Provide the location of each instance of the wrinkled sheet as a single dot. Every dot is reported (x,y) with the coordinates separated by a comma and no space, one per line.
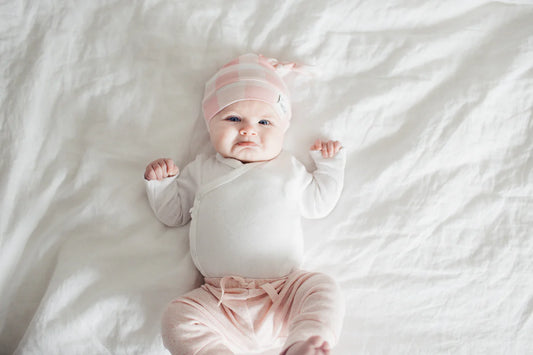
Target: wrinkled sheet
(431,241)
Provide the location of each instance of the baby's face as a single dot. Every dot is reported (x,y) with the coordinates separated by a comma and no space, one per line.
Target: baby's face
(249,131)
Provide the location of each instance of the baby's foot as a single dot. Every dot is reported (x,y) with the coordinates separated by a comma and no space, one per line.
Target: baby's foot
(312,346)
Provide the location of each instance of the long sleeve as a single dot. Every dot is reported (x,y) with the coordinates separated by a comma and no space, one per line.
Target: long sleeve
(172,198)
(323,187)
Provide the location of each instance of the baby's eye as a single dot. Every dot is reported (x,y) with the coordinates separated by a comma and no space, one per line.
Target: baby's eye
(264,122)
(233,119)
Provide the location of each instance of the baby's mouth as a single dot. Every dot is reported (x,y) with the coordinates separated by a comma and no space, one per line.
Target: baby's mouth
(247,144)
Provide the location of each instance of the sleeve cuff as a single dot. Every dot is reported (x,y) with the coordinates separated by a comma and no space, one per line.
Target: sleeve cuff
(155,187)
(160,183)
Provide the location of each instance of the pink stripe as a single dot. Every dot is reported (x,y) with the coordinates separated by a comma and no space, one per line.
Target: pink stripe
(246,74)
(210,106)
(226,79)
(256,92)
(275,80)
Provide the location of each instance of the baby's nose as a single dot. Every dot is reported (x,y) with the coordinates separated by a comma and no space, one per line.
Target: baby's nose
(247,131)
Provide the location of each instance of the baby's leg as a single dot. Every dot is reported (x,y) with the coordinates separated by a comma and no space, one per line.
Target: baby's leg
(189,328)
(315,316)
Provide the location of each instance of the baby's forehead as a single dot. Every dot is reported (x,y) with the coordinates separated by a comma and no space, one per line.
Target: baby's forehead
(252,109)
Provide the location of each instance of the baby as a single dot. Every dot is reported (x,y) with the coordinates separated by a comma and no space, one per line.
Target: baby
(245,204)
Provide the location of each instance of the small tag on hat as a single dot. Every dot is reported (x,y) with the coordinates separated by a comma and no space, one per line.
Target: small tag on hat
(282,102)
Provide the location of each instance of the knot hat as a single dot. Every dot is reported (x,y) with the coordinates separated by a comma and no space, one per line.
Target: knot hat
(249,77)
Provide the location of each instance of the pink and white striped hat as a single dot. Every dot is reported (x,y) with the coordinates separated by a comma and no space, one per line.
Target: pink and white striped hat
(248,77)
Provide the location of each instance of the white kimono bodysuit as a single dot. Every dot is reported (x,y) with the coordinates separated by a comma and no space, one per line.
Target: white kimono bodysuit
(246,217)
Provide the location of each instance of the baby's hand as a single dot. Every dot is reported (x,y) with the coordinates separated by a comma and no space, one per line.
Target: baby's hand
(160,169)
(329,149)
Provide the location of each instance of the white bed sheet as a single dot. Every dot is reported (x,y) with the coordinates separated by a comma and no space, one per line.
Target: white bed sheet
(431,240)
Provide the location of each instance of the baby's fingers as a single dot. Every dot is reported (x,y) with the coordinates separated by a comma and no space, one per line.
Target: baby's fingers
(149,174)
(317,145)
(336,147)
(160,169)
(331,148)
(172,169)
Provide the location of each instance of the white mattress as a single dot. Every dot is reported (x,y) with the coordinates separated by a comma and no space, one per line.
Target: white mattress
(431,241)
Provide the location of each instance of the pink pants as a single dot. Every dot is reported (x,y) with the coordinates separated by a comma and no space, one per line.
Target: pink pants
(234,315)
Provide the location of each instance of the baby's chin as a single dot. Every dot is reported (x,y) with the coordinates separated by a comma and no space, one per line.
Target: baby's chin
(251,156)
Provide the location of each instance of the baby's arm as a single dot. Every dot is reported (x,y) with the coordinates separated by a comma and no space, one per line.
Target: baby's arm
(322,188)
(171,197)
